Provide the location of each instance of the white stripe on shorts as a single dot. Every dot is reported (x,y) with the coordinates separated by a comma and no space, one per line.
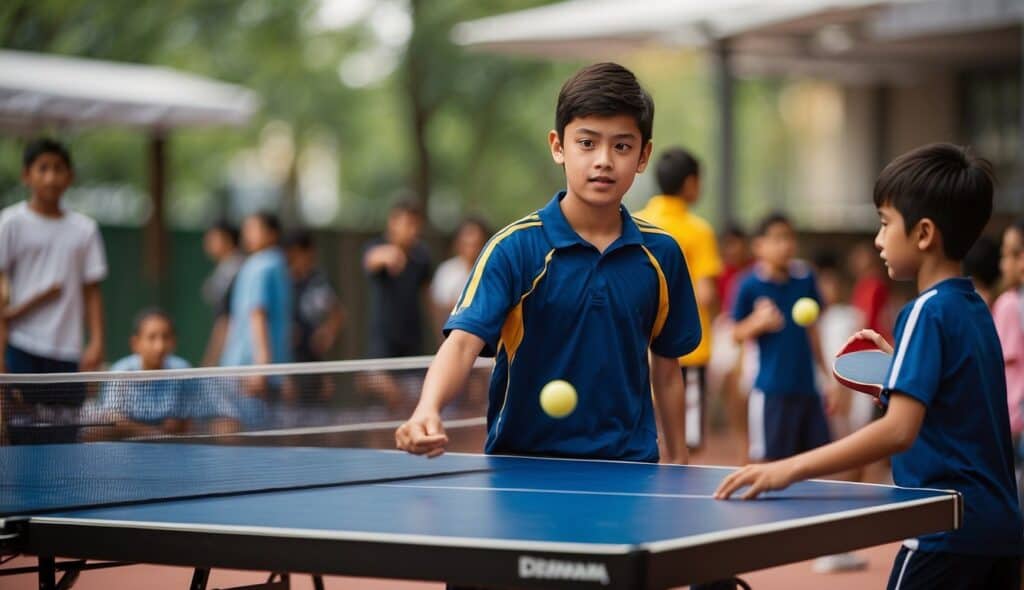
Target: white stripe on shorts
(755,425)
(903,569)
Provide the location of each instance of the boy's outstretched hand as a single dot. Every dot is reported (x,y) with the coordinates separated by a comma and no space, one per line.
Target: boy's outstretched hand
(422,434)
(760,477)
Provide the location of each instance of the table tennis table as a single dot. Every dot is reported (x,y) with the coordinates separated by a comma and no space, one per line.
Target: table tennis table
(494,521)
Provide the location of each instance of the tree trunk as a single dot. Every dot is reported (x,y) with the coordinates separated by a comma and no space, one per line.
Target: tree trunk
(420,111)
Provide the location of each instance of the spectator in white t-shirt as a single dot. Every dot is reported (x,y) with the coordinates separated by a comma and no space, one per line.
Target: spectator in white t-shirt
(451,275)
(53,261)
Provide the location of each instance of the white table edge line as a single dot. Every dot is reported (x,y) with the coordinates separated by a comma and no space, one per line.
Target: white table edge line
(729,534)
(319,534)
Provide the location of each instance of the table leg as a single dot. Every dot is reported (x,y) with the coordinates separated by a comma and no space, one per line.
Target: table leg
(199,579)
(47,573)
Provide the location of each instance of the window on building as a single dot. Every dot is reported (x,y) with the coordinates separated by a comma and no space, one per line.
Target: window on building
(991,116)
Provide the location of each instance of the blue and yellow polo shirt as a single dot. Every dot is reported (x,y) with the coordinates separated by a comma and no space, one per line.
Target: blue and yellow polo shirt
(550,306)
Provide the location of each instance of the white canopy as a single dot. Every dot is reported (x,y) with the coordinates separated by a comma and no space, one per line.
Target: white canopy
(583,27)
(40,89)
(854,41)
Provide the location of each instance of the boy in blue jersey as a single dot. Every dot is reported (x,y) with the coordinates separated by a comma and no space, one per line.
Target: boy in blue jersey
(580,291)
(946,421)
(785,413)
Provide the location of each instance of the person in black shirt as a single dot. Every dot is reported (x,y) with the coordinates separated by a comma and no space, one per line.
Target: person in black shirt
(399,269)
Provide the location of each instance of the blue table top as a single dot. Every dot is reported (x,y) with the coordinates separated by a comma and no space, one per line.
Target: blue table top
(36,479)
(454,497)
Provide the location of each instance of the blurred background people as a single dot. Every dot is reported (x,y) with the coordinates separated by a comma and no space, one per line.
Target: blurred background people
(982,266)
(318,318)
(260,325)
(398,267)
(159,406)
(451,275)
(733,365)
(220,242)
(318,315)
(870,289)
(52,261)
(1008,316)
(678,177)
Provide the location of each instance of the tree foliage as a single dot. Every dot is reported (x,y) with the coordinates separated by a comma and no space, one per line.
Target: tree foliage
(462,129)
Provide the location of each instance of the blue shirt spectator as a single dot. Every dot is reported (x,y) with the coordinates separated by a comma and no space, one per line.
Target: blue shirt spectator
(262,284)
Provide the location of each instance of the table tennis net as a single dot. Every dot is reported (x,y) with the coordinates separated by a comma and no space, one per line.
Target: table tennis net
(336,403)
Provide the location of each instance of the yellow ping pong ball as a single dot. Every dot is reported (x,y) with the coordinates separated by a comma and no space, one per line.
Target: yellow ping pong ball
(805,311)
(558,398)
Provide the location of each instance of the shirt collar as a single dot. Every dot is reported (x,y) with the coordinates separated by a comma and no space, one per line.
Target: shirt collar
(562,235)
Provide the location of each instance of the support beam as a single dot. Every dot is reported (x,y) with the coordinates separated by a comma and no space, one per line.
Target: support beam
(880,108)
(724,90)
(156,227)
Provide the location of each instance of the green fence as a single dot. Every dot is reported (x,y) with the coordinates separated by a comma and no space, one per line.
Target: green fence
(130,287)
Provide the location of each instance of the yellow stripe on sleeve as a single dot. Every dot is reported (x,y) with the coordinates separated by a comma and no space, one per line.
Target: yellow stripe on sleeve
(514,330)
(653,229)
(474,280)
(643,222)
(662,315)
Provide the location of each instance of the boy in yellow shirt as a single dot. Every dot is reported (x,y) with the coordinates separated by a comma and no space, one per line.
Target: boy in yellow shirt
(678,173)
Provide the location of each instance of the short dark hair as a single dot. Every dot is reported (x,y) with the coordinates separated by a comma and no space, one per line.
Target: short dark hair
(269,221)
(945,183)
(604,89)
(1018,226)
(474,221)
(44,145)
(301,239)
(982,261)
(226,228)
(674,166)
(826,260)
(407,205)
(149,313)
(773,218)
(734,230)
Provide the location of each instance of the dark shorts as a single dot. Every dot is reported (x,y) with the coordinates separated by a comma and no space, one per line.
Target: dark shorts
(19,361)
(781,426)
(64,394)
(27,407)
(922,570)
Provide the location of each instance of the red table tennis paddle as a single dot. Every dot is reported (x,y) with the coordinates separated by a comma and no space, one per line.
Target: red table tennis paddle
(862,367)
